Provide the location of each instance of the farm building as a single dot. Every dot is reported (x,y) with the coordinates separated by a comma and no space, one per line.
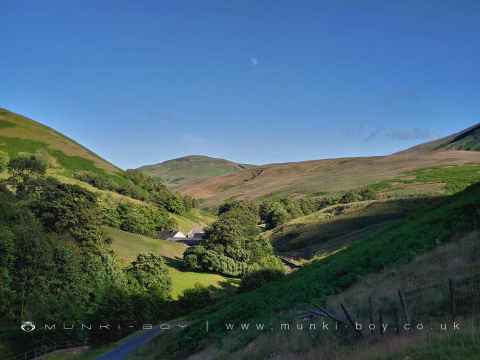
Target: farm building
(173,235)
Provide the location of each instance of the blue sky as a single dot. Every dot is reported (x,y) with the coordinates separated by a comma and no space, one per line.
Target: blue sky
(253,81)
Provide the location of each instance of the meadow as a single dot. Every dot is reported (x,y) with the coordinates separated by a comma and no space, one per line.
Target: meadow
(127,246)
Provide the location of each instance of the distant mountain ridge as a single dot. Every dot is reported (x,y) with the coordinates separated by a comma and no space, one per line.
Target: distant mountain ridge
(330,175)
(192,168)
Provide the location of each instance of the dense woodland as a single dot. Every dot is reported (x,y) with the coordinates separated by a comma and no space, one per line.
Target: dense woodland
(56,263)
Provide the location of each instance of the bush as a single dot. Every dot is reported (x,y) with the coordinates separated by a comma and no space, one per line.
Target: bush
(3,161)
(23,167)
(358,195)
(151,273)
(97,180)
(198,258)
(197,297)
(256,279)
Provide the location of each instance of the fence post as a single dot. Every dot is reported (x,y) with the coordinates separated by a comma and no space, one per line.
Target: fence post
(371,311)
(349,318)
(380,320)
(397,320)
(451,287)
(401,296)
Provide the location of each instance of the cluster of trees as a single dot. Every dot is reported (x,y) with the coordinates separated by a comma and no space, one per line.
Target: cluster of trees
(277,212)
(55,261)
(362,194)
(233,245)
(142,187)
(138,218)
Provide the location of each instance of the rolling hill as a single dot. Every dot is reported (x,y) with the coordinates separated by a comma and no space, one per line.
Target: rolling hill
(188,169)
(332,175)
(19,134)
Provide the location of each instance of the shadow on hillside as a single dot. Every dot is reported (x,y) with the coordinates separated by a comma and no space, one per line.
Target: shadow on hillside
(176,263)
(338,230)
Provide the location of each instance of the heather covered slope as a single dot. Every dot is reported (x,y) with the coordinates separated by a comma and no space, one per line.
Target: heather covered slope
(20,135)
(319,176)
(188,169)
(332,175)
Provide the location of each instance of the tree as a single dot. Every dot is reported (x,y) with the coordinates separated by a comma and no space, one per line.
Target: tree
(145,220)
(232,233)
(276,215)
(151,273)
(65,208)
(232,244)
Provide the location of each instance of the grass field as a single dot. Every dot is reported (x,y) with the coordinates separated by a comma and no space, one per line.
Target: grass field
(127,246)
(195,219)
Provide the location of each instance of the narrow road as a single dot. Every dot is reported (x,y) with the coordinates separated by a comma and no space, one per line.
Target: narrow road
(130,345)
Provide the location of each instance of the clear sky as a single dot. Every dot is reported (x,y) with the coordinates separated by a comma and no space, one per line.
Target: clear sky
(252,81)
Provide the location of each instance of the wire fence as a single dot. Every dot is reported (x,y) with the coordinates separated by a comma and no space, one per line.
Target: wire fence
(450,299)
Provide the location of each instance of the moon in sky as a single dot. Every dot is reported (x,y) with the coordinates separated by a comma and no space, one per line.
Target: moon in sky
(254,61)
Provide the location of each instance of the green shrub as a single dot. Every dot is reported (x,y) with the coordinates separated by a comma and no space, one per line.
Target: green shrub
(151,273)
(145,220)
(256,279)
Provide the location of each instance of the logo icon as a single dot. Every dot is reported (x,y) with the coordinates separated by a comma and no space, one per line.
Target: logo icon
(27,326)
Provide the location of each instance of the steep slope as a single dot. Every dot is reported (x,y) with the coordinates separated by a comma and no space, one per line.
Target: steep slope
(20,135)
(468,140)
(65,157)
(330,175)
(191,168)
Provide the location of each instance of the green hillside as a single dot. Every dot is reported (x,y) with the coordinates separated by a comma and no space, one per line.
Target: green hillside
(399,243)
(468,140)
(20,135)
(335,227)
(189,169)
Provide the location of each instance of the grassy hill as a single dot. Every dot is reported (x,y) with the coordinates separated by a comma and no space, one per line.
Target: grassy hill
(332,175)
(400,243)
(189,169)
(127,246)
(326,231)
(20,135)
